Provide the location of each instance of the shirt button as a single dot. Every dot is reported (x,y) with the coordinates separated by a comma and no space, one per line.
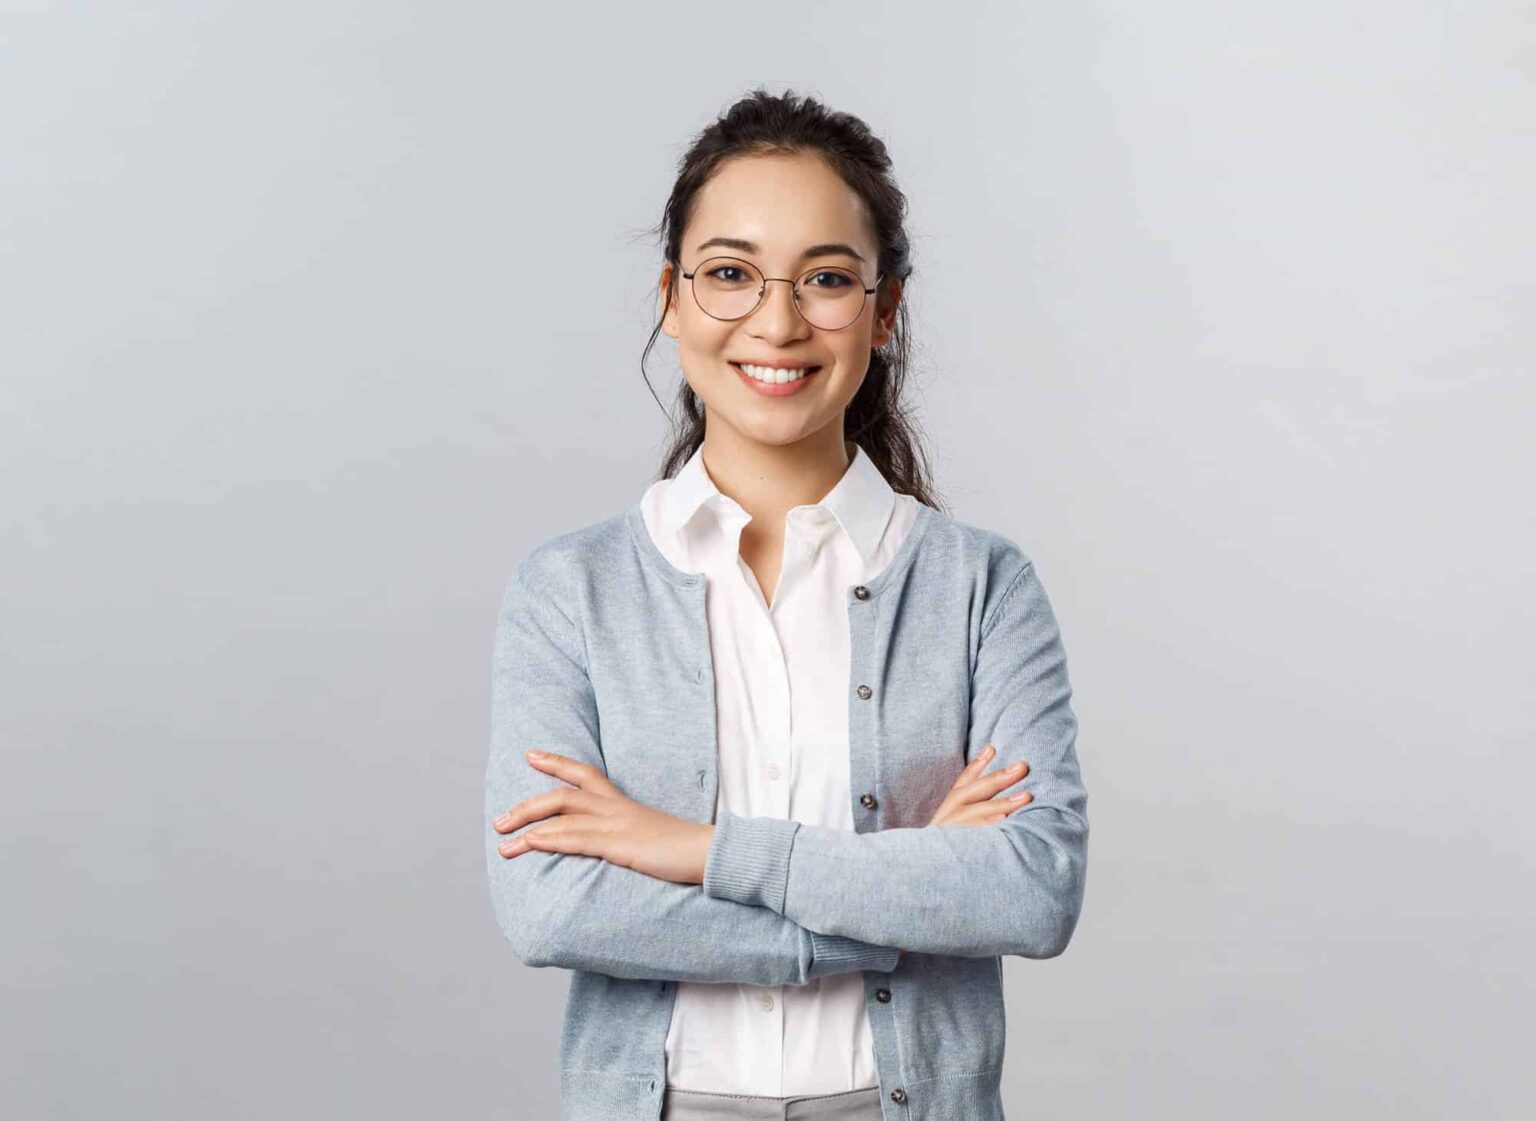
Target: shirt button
(867,801)
(772,770)
(865,692)
(861,592)
(766,1001)
(898,1095)
(883,996)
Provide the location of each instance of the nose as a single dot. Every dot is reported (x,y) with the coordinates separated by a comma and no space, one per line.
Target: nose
(777,319)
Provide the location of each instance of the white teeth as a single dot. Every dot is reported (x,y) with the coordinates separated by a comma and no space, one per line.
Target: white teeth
(769,374)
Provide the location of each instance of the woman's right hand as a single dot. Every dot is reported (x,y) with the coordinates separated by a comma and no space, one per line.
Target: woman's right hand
(970,800)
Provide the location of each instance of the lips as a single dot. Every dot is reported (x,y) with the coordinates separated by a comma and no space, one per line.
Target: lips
(809,371)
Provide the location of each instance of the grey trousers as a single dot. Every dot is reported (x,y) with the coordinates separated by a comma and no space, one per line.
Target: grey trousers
(699,1105)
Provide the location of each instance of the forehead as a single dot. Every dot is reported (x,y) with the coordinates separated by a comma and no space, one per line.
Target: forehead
(783,203)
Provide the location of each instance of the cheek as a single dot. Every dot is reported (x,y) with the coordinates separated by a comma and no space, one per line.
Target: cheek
(699,333)
(853,355)
(701,350)
(702,357)
(853,345)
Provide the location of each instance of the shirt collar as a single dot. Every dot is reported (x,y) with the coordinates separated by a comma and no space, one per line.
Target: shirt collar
(860,503)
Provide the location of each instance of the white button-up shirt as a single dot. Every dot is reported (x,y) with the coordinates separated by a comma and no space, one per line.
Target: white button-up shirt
(781,701)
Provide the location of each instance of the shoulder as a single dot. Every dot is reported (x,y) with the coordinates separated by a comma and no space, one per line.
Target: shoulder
(973,548)
(564,560)
(992,564)
(975,544)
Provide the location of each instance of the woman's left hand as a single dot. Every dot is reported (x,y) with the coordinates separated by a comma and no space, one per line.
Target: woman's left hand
(592,817)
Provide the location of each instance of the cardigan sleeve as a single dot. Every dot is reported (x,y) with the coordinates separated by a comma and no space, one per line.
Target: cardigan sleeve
(1013,887)
(580,912)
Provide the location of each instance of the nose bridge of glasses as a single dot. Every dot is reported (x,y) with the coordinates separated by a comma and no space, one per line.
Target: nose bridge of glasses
(794,289)
(814,311)
(764,300)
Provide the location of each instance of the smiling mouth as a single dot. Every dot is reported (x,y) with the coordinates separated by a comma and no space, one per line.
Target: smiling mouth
(771,376)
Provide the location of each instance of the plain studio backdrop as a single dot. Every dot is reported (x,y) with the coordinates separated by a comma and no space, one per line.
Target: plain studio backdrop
(315,318)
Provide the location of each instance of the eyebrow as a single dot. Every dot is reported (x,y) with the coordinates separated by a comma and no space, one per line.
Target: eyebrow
(831,248)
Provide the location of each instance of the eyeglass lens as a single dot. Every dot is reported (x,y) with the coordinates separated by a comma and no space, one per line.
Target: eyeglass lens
(829,298)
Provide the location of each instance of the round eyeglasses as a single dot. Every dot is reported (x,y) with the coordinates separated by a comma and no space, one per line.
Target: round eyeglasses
(827,298)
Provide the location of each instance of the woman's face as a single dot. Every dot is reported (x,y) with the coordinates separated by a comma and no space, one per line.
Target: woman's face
(781,205)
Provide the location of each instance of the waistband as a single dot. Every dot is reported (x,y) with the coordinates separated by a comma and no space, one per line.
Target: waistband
(702,1105)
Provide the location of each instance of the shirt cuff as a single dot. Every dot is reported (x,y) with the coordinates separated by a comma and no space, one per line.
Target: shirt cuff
(833,953)
(749,860)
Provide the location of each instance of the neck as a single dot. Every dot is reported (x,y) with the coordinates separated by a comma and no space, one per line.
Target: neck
(769,480)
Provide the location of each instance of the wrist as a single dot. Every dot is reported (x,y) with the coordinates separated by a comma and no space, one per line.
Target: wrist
(704,841)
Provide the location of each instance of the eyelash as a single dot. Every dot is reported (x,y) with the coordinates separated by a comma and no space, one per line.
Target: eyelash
(822,272)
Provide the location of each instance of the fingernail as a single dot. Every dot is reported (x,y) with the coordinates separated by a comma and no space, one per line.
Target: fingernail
(504,820)
(1017,767)
(988,752)
(535,755)
(1019,797)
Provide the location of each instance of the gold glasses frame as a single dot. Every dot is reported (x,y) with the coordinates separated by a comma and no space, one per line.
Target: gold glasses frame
(795,289)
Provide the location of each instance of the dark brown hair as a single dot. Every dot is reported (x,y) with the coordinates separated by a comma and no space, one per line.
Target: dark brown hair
(877,418)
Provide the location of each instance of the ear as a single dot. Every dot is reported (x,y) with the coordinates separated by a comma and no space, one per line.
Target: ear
(886,301)
(666,305)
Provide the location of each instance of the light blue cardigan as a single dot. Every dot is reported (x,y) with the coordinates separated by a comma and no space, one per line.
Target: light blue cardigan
(602,654)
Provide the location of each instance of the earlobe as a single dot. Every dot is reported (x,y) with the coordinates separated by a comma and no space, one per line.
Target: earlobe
(668,303)
(664,298)
(882,334)
(885,319)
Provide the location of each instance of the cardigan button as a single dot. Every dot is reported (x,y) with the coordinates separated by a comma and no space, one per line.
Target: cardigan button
(868,801)
(898,1095)
(865,692)
(861,592)
(883,996)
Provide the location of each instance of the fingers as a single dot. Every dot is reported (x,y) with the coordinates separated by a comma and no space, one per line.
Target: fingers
(983,813)
(567,834)
(562,800)
(989,813)
(973,770)
(1003,779)
(583,775)
(986,786)
(976,765)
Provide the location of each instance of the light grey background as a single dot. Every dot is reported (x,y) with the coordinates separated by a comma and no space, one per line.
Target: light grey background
(1223,312)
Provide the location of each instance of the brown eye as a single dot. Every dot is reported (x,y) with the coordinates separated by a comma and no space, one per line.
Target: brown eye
(716,274)
(837,279)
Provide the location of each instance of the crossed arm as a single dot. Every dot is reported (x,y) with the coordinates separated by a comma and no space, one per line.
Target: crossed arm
(783,902)
(579,912)
(1015,887)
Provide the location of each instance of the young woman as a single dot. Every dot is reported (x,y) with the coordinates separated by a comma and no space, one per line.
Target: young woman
(764,834)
